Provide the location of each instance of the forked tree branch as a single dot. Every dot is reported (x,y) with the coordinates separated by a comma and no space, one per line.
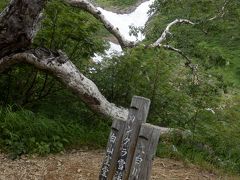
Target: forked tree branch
(167,32)
(90,8)
(87,6)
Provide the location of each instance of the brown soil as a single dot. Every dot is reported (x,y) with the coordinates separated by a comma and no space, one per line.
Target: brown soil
(84,165)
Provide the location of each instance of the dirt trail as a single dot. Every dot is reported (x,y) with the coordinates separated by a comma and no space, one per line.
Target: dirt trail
(80,165)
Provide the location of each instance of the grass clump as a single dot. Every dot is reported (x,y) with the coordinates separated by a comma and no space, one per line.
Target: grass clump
(24,132)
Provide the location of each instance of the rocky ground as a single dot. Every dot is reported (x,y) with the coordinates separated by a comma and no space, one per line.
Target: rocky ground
(84,165)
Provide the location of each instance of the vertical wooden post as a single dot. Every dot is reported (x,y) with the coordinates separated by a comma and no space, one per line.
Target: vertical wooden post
(137,115)
(145,152)
(113,147)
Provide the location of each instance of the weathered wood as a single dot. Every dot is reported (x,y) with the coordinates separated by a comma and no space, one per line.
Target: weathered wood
(113,147)
(18,25)
(145,152)
(137,115)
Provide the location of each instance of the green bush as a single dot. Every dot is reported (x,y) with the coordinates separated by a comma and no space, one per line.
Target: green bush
(122,3)
(25,132)
(214,141)
(53,119)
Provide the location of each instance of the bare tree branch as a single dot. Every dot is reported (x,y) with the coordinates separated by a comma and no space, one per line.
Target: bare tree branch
(87,6)
(163,37)
(221,12)
(65,71)
(167,32)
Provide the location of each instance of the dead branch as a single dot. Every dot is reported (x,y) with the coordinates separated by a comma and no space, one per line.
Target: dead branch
(90,8)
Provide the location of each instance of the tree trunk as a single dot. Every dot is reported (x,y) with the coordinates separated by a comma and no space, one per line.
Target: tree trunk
(18,25)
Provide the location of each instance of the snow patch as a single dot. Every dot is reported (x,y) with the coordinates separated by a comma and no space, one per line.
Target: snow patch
(137,18)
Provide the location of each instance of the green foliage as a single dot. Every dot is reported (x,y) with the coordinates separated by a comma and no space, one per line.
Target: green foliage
(210,43)
(218,145)
(53,119)
(75,32)
(114,3)
(157,75)
(3,3)
(72,30)
(23,132)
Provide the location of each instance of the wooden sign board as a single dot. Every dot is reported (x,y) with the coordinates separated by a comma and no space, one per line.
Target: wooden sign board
(137,115)
(131,146)
(145,151)
(112,152)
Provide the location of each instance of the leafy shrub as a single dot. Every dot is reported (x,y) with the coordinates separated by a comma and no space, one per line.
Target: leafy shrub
(215,140)
(25,132)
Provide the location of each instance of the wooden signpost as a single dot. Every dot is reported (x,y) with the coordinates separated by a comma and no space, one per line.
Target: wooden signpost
(113,149)
(145,152)
(131,146)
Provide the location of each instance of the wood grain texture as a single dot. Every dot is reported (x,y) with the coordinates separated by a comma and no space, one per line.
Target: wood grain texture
(113,147)
(137,115)
(18,25)
(145,151)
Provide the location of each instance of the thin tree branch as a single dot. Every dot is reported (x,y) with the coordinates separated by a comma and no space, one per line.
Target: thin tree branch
(90,8)
(221,12)
(167,32)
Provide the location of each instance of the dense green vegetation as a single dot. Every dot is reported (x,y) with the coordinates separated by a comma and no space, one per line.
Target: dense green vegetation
(38,115)
(23,131)
(114,3)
